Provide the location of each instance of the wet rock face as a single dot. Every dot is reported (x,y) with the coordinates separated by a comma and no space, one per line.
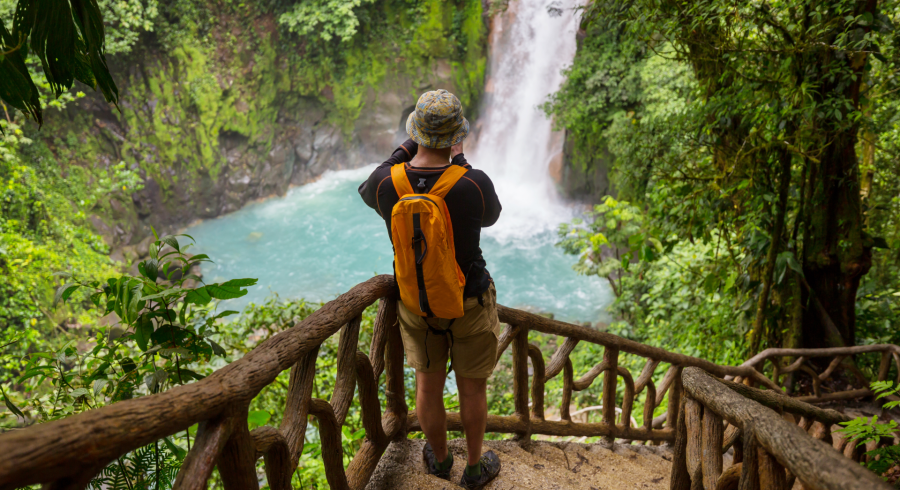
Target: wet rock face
(300,152)
(302,148)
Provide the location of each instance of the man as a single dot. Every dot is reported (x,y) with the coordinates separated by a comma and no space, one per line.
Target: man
(437,129)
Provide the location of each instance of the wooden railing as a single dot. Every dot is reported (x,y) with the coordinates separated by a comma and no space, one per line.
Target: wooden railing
(67,453)
(788,362)
(527,421)
(769,452)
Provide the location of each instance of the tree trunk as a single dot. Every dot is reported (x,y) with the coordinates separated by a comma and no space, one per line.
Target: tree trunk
(837,254)
(837,251)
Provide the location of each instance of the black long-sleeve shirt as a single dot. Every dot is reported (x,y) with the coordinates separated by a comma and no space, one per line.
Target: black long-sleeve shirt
(472,202)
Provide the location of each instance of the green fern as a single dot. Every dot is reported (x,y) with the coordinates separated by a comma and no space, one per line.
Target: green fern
(151,467)
(863,430)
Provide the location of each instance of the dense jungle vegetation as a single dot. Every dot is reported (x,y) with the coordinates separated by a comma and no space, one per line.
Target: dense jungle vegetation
(753,148)
(754,152)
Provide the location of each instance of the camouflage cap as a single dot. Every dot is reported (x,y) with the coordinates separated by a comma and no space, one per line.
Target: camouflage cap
(438,120)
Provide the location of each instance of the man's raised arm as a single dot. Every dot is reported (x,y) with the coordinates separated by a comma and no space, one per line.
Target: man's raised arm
(369,189)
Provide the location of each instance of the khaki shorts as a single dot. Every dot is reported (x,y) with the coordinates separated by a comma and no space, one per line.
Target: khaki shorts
(475,338)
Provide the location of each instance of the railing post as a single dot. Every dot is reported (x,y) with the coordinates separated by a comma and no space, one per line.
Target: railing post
(565,409)
(296,408)
(537,382)
(771,473)
(650,398)
(520,382)
(885,366)
(693,414)
(395,388)
(822,432)
(366,459)
(345,383)
(680,479)
(237,462)
(611,359)
(277,456)
(384,320)
(713,439)
(750,465)
(675,394)
(200,461)
(330,437)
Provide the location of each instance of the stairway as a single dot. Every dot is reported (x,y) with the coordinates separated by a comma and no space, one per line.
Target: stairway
(544,465)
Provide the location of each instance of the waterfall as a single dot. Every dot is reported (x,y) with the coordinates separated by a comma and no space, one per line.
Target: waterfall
(530,44)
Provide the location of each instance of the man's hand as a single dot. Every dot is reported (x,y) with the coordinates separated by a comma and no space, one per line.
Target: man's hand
(456,150)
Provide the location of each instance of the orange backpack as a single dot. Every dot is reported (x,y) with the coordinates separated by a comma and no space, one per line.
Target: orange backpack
(431,282)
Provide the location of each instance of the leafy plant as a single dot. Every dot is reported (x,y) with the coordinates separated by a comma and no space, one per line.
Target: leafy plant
(863,430)
(673,294)
(326,18)
(164,311)
(158,335)
(152,466)
(68,38)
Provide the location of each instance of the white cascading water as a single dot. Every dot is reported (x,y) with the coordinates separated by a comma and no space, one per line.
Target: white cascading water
(531,43)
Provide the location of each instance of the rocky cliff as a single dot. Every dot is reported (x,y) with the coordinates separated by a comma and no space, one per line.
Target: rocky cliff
(241,109)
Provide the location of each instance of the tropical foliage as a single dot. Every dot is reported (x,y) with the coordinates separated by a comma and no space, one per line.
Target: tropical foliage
(751,144)
(864,430)
(69,40)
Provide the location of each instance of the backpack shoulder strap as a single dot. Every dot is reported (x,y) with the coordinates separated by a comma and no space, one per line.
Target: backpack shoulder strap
(448,179)
(400,180)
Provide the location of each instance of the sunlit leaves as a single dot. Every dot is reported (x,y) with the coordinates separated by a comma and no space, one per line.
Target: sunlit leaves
(258,418)
(326,19)
(159,330)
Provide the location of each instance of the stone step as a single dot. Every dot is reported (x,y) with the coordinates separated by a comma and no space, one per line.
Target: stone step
(543,465)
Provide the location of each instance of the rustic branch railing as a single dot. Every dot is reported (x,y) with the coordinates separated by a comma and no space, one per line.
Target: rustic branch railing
(799,360)
(67,453)
(772,452)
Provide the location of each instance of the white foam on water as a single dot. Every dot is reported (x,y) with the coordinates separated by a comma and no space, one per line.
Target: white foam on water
(530,46)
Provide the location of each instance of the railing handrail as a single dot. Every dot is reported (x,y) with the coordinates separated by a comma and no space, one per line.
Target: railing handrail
(824,352)
(579,332)
(780,402)
(814,462)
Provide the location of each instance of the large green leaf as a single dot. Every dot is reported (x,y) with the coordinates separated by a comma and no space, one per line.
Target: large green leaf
(216,349)
(240,282)
(221,291)
(172,242)
(143,331)
(68,37)
(199,296)
(16,87)
(11,406)
(149,269)
(178,451)
(63,292)
(90,22)
(53,41)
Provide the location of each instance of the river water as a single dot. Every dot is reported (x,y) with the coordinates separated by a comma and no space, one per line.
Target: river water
(321,239)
